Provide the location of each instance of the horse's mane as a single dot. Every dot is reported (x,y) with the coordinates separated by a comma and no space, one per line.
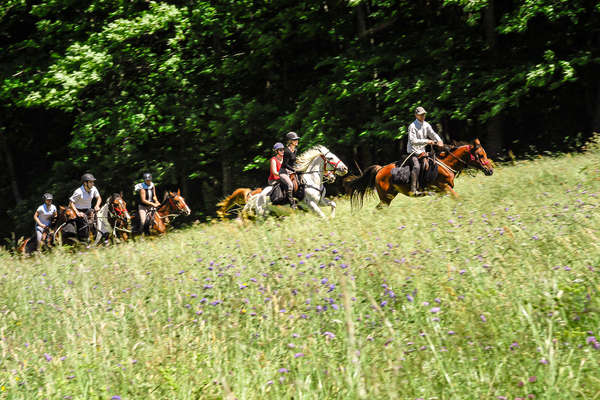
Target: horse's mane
(304,159)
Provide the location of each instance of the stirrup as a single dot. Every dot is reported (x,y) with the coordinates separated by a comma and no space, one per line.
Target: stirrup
(416,193)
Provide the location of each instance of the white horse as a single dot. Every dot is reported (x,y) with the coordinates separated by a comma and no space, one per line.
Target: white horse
(311,166)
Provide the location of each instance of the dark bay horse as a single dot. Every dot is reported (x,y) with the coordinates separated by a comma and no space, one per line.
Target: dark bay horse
(452,161)
(172,205)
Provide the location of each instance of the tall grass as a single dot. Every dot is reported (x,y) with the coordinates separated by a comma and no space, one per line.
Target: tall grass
(491,296)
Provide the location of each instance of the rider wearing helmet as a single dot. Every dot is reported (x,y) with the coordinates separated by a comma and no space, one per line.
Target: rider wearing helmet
(420,134)
(148,199)
(287,165)
(81,202)
(275,163)
(42,217)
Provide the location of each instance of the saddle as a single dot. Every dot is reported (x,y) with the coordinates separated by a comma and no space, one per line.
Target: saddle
(401,172)
(278,194)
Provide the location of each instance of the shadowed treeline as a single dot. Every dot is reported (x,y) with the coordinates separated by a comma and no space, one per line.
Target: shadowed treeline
(197,92)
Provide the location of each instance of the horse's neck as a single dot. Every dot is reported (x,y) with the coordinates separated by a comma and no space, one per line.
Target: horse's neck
(454,159)
(163,210)
(314,173)
(103,212)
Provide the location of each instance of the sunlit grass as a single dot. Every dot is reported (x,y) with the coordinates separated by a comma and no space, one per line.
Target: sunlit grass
(495,294)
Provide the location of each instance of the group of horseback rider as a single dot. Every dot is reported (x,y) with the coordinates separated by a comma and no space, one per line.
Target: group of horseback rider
(281,168)
(80,203)
(420,135)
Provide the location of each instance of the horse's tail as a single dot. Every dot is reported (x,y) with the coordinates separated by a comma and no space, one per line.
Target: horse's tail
(239,196)
(361,185)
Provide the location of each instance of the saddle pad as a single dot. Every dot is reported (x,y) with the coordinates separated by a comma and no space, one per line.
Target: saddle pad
(401,175)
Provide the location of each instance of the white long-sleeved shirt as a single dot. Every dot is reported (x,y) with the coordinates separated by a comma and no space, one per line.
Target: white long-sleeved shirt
(419,134)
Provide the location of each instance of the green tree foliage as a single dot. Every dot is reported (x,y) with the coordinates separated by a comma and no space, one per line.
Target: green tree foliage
(198,91)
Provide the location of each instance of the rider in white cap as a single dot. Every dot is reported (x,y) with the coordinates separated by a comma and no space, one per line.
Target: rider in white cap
(420,134)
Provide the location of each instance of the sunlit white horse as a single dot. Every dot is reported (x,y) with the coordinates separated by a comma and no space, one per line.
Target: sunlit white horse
(311,165)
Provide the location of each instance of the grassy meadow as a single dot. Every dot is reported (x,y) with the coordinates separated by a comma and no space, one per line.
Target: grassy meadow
(493,296)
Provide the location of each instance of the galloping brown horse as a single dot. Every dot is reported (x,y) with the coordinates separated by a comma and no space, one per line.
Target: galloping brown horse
(453,160)
(172,205)
(238,198)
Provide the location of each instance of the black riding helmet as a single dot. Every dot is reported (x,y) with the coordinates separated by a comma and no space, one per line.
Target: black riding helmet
(47,196)
(87,178)
(292,136)
(147,176)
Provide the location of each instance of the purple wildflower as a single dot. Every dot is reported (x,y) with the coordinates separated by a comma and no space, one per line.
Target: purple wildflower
(298,355)
(435,310)
(329,335)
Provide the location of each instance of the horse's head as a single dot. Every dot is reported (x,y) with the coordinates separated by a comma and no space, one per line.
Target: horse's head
(177,203)
(333,163)
(119,206)
(65,214)
(478,158)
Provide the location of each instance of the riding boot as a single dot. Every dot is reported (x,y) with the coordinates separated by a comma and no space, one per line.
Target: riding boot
(292,200)
(414,174)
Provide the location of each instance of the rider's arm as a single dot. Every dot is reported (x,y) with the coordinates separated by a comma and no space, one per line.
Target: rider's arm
(274,169)
(432,135)
(37,220)
(98,202)
(412,136)
(72,201)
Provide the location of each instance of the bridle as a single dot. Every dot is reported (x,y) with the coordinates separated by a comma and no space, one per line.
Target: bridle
(327,162)
(477,157)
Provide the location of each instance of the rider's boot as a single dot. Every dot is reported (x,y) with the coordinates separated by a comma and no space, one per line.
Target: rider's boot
(413,183)
(292,200)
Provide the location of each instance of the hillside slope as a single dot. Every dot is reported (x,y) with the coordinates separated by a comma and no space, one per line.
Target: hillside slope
(491,296)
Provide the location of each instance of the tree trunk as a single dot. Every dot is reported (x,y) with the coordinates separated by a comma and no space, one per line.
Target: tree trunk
(226,171)
(10,167)
(596,118)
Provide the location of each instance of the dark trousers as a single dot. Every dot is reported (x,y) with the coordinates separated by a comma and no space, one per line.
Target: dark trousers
(415,171)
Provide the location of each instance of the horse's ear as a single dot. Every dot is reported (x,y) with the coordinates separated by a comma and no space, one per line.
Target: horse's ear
(477,142)
(121,194)
(178,192)
(62,208)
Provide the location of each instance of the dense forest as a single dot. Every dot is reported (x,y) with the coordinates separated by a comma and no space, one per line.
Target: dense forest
(196,92)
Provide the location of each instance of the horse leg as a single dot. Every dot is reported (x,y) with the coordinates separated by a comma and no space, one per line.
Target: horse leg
(448,189)
(313,206)
(330,203)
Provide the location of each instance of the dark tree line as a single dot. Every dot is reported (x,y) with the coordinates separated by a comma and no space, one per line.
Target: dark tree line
(196,92)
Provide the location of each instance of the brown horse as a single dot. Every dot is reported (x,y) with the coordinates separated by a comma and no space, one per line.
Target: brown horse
(172,205)
(451,162)
(53,235)
(237,199)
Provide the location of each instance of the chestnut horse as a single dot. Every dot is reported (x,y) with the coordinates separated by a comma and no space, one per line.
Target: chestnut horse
(172,205)
(235,200)
(450,163)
